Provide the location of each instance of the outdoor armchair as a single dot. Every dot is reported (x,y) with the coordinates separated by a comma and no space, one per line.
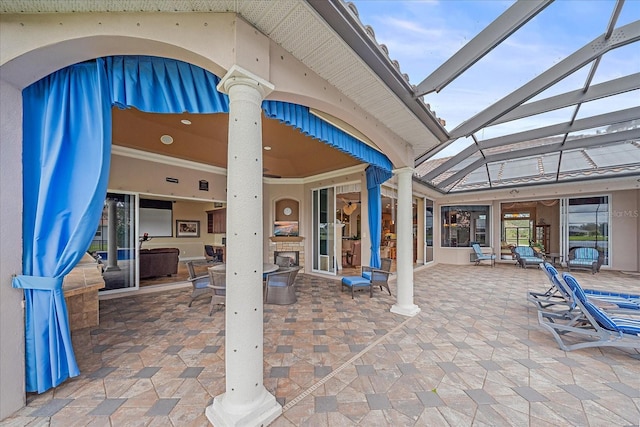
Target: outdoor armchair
(280,286)
(218,287)
(199,284)
(379,276)
(585,258)
(527,256)
(385,265)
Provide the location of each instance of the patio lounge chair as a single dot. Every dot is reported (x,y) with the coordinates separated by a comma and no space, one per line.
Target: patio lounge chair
(553,296)
(199,284)
(595,327)
(525,255)
(618,302)
(479,256)
(560,294)
(584,258)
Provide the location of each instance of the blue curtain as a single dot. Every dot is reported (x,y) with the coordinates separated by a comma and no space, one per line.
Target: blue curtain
(378,171)
(161,85)
(66,155)
(299,117)
(375,177)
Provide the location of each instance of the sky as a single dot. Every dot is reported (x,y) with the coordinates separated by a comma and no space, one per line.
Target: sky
(422,35)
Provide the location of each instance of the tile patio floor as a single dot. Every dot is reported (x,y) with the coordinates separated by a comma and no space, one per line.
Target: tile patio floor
(474,355)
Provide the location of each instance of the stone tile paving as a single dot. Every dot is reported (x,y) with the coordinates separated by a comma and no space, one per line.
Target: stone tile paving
(474,355)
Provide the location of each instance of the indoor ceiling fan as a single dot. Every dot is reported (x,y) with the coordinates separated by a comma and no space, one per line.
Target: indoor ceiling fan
(350,206)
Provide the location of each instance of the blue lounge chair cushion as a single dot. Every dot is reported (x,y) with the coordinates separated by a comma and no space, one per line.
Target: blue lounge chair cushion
(618,324)
(585,262)
(626,301)
(356,281)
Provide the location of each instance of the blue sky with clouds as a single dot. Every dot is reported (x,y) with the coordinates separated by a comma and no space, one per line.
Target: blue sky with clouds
(422,35)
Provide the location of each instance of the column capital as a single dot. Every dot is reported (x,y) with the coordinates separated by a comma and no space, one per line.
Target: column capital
(238,75)
(403,170)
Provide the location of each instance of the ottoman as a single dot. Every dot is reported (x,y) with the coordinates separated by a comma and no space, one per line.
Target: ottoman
(356,282)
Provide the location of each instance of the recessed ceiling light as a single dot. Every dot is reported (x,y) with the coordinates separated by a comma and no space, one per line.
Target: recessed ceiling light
(166,139)
(185,122)
(267,148)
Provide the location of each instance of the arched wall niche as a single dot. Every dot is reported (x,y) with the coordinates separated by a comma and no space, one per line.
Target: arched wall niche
(287,210)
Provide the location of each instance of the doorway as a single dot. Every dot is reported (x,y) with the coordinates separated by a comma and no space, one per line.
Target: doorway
(324,231)
(428,230)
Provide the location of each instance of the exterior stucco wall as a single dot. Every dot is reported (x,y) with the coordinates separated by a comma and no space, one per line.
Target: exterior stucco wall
(624,230)
(32,46)
(12,388)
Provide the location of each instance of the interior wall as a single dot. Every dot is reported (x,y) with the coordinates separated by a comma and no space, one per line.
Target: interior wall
(149,177)
(550,215)
(190,247)
(271,193)
(12,352)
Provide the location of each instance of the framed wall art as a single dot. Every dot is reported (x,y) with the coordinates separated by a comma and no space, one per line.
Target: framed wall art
(187,228)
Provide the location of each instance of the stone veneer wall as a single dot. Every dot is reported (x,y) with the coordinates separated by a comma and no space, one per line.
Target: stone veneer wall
(80,288)
(287,244)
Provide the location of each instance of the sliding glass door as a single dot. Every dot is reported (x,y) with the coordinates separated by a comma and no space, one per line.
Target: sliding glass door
(324,238)
(115,242)
(588,224)
(428,230)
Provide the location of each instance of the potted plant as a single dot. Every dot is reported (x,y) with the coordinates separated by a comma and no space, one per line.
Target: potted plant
(538,247)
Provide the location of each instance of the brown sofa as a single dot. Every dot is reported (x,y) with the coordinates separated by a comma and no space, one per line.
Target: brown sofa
(158,262)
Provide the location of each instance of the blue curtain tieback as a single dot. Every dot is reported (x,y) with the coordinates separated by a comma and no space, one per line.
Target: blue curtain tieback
(35,282)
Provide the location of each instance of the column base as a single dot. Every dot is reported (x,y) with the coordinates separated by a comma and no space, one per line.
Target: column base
(405,310)
(266,410)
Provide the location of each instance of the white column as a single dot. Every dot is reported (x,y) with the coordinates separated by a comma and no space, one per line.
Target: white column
(246,402)
(404,255)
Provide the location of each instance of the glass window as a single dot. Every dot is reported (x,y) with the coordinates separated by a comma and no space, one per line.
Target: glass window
(516,228)
(589,224)
(463,225)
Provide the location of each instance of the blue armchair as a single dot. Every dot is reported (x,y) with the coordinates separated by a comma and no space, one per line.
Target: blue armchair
(527,256)
(585,258)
